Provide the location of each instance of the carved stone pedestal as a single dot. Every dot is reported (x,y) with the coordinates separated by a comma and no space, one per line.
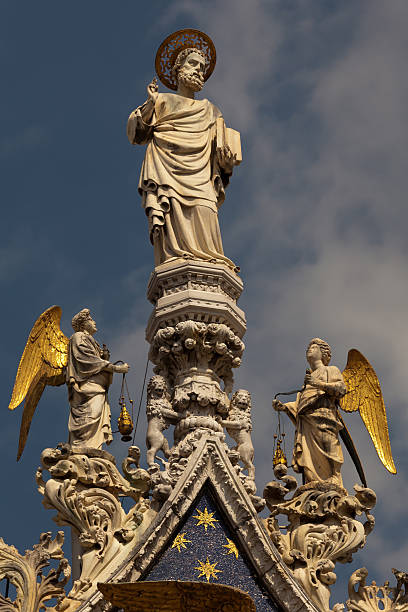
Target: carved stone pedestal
(194,290)
(322,529)
(195,340)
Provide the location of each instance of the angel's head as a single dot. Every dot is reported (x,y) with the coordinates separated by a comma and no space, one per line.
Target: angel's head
(318,349)
(83,321)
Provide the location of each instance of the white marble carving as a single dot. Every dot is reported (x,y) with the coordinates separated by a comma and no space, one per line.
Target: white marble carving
(186,168)
(209,464)
(192,353)
(88,376)
(316,455)
(322,529)
(26,574)
(373,597)
(84,488)
(194,290)
(159,414)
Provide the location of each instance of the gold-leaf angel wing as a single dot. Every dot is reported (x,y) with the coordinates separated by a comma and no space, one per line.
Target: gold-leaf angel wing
(364,394)
(42,363)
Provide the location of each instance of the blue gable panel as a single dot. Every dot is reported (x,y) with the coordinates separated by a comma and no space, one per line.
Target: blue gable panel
(205,549)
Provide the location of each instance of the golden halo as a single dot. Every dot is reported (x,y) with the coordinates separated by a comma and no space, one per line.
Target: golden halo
(176,42)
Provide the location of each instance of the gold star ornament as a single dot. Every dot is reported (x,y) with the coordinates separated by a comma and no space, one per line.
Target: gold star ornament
(207,569)
(232,549)
(180,541)
(205,518)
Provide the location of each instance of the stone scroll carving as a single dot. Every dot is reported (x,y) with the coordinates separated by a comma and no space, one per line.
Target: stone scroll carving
(85,489)
(323,529)
(26,573)
(373,597)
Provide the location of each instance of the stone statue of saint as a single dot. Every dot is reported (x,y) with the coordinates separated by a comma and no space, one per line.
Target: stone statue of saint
(189,158)
(88,377)
(317,453)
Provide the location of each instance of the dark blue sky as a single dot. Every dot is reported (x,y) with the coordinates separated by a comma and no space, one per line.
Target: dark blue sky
(315,215)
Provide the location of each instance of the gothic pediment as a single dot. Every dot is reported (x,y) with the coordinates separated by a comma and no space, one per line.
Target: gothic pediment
(229,534)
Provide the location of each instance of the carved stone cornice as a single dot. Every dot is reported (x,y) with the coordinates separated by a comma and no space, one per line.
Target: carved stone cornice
(195,290)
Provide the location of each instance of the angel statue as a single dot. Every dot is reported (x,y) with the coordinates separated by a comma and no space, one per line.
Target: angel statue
(49,358)
(190,153)
(317,453)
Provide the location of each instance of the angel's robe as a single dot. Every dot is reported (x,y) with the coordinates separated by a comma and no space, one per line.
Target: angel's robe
(181,183)
(317,451)
(88,382)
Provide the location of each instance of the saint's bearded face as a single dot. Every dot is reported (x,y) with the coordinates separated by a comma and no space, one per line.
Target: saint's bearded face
(191,73)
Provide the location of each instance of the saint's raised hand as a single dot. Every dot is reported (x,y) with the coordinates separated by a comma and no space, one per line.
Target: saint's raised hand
(153,90)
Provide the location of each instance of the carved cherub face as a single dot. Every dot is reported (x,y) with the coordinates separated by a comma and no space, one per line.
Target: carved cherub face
(191,71)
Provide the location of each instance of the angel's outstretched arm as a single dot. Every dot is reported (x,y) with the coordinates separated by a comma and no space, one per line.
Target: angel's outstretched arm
(290,408)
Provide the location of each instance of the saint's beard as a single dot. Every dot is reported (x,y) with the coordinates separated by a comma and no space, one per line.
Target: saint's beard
(192,81)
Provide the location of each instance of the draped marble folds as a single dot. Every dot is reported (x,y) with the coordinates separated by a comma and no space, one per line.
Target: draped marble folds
(88,382)
(181,183)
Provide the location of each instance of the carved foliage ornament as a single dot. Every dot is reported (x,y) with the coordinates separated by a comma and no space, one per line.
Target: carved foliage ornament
(207,346)
(322,530)
(33,588)
(170,48)
(84,488)
(372,597)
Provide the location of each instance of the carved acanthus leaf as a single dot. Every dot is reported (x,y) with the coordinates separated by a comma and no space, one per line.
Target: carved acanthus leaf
(323,529)
(373,597)
(33,588)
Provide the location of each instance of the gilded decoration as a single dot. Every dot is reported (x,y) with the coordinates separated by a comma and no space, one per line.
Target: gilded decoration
(180,542)
(207,569)
(208,555)
(205,518)
(169,596)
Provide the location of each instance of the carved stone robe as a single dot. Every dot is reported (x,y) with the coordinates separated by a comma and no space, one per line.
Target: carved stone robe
(89,420)
(181,183)
(317,451)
